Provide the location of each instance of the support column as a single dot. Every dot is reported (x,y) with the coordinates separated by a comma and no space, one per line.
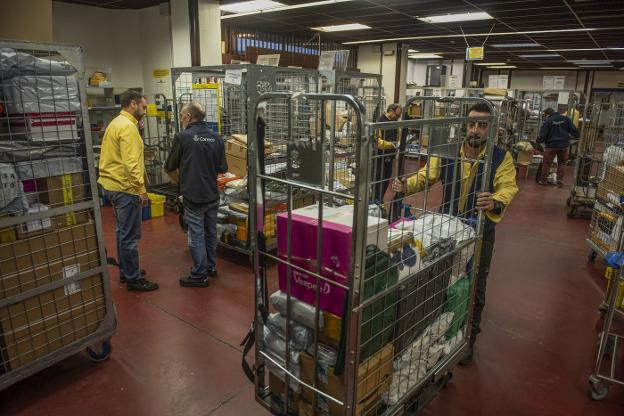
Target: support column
(389,60)
(180,33)
(210,32)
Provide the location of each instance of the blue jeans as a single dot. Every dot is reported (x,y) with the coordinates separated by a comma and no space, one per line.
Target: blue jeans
(128,232)
(202,237)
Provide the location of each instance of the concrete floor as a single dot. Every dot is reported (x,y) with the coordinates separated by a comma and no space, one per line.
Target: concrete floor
(176,350)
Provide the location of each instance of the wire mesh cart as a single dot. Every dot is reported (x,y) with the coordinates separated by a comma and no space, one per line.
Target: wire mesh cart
(601,146)
(55,298)
(370,315)
(226,92)
(606,238)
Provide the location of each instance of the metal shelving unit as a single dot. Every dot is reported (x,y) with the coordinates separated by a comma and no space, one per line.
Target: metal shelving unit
(55,298)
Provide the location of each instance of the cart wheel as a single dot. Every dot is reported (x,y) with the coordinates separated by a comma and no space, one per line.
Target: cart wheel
(598,391)
(592,256)
(603,310)
(100,354)
(571,212)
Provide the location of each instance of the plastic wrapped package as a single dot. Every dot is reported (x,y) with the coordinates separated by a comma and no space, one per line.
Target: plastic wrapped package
(14,151)
(452,343)
(12,199)
(293,369)
(326,356)
(300,336)
(414,352)
(13,62)
(433,227)
(41,94)
(613,155)
(439,327)
(49,167)
(403,381)
(301,312)
(434,354)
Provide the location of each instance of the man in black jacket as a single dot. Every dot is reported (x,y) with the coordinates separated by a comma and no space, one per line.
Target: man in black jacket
(555,134)
(198,154)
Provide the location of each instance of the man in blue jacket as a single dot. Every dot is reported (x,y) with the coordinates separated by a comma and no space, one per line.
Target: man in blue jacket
(555,134)
(198,154)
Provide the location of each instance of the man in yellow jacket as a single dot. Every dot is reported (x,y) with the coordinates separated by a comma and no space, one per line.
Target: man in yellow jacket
(461,185)
(122,175)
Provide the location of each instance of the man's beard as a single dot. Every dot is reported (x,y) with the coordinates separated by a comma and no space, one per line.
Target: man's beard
(475,141)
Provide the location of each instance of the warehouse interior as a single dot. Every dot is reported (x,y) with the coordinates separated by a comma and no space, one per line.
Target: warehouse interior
(364,280)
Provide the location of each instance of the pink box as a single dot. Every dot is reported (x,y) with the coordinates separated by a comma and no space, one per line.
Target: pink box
(335,260)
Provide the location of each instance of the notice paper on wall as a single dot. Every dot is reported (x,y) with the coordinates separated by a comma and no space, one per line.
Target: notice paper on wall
(493,81)
(558,82)
(502,81)
(548,82)
(563,98)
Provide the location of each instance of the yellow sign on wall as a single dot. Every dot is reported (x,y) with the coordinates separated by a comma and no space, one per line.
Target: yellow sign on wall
(475,54)
(161,73)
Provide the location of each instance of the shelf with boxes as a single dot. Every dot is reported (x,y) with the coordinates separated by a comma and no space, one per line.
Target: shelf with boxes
(54,293)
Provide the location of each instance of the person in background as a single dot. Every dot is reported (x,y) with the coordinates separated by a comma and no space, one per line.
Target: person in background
(122,176)
(555,134)
(198,155)
(466,179)
(386,153)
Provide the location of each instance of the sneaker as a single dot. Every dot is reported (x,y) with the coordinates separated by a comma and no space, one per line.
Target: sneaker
(543,183)
(191,281)
(212,272)
(141,285)
(124,280)
(468,357)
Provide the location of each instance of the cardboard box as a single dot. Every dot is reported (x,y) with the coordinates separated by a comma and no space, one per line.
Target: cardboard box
(24,263)
(278,390)
(61,190)
(43,324)
(236,149)
(373,379)
(613,184)
(525,157)
(236,165)
(35,227)
(7,235)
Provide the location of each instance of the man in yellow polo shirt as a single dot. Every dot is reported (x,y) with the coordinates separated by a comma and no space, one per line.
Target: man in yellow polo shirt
(461,185)
(122,175)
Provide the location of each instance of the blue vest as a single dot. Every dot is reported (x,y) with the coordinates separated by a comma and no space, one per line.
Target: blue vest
(451,172)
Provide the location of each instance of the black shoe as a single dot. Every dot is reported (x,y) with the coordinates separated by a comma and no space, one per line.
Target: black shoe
(212,272)
(141,285)
(124,280)
(468,357)
(190,281)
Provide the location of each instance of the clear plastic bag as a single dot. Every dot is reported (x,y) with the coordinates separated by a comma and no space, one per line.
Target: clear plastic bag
(301,312)
(300,336)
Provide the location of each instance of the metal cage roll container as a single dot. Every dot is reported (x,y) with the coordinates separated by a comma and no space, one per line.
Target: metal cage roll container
(55,298)
(371,314)
(226,92)
(601,145)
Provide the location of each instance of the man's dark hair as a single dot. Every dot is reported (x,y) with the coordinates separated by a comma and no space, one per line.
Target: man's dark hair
(128,96)
(196,111)
(549,111)
(480,108)
(392,108)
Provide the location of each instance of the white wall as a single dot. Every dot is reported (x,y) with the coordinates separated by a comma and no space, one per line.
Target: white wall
(417,70)
(102,34)
(608,79)
(26,20)
(372,61)
(180,35)
(156,50)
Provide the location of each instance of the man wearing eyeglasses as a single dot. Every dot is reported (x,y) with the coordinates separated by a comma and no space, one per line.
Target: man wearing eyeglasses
(465,179)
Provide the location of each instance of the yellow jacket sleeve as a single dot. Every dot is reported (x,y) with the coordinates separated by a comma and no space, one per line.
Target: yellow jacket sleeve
(505,188)
(131,148)
(430,173)
(384,144)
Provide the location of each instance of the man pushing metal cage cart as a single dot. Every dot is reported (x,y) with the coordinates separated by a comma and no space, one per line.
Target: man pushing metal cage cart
(370,315)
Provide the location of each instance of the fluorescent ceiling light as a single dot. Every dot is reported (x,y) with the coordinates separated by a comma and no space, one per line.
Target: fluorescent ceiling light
(540,55)
(250,6)
(559,67)
(424,56)
(502,67)
(585,49)
(459,17)
(526,32)
(515,45)
(490,63)
(278,8)
(590,61)
(341,28)
(595,66)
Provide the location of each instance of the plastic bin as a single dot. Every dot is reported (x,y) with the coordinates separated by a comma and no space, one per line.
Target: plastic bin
(619,302)
(157,204)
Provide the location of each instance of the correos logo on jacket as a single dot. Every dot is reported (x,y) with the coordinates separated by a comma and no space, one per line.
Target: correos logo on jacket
(197,138)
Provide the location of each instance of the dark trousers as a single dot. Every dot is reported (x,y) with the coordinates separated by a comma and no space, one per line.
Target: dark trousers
(127,209)
(549,156)
(487,250)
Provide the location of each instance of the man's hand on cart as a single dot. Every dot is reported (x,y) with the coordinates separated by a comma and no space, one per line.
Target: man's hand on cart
(485,201)
(398,185)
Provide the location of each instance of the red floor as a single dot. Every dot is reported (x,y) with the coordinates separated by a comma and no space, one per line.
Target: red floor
(176,350)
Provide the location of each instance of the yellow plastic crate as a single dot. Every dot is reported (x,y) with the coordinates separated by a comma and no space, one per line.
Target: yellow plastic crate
(619,301)
(157,204)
